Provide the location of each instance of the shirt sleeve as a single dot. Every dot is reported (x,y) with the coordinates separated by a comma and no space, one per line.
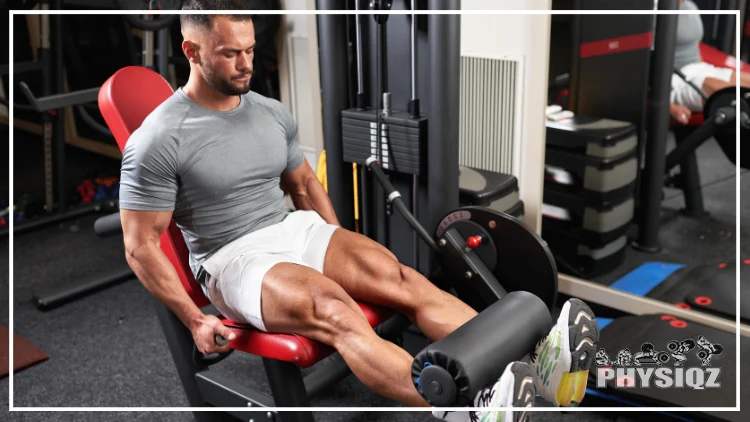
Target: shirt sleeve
(295,156)
(148,175)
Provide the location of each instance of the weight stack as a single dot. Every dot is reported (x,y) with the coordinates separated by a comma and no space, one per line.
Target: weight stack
(402,138)
(497,191)
(589,190)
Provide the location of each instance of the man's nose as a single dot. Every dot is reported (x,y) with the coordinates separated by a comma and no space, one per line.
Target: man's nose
(245,62)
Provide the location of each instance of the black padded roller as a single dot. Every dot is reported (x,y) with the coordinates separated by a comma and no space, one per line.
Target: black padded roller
(450,372)
(109,225)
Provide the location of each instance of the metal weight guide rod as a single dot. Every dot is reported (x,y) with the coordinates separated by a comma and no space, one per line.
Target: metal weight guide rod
(385,97)
(414,114)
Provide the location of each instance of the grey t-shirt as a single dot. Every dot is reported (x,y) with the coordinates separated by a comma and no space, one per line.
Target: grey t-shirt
(218,171)
(689,35)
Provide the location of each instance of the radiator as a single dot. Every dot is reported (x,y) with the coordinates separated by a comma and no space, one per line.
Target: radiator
(490,112)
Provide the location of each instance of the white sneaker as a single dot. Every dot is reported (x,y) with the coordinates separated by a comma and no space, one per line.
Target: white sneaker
(562,359)
(515,388)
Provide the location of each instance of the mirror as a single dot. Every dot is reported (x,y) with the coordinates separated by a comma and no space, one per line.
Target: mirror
(630,201)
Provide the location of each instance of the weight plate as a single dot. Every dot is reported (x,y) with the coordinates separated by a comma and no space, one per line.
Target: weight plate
(720,98)
(523,260)
(487,251)
(726,134)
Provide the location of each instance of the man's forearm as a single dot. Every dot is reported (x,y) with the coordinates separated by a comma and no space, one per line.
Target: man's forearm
(314,197)
(159,277)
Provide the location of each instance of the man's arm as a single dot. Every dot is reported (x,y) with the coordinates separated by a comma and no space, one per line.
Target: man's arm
(142,231)
(307,193)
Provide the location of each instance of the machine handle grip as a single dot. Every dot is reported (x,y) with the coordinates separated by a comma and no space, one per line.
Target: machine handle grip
(220,340)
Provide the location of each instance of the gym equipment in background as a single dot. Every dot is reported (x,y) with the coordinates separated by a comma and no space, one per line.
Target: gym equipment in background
(588,57)
(699,128)
(496,191)
(591,170)
(657,163)
(57,54)
(709,288)
(719,116)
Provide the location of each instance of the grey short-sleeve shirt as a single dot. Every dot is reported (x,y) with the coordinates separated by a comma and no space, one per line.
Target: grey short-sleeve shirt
(217,171)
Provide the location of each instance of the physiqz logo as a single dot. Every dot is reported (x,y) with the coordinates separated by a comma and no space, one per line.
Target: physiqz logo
(662,369)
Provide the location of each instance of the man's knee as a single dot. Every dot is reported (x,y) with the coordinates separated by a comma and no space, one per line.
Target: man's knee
(408,285)
(335,318)
(403,279)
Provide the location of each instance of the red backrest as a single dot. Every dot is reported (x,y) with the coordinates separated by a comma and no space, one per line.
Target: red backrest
(719,58)
(125,100)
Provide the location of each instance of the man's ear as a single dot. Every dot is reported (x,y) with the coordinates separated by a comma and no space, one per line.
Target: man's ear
(191,51)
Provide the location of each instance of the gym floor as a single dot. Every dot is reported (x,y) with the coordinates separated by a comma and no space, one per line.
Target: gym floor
(108,349)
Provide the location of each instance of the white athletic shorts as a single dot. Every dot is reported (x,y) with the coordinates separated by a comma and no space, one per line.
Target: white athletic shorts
(236,271)
(684,94)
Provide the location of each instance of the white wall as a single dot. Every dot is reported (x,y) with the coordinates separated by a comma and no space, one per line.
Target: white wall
(300,76)
(527,36)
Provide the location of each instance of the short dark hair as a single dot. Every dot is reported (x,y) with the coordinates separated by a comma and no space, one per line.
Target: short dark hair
(204,21)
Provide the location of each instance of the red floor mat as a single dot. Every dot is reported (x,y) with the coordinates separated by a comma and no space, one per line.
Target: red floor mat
(25,354)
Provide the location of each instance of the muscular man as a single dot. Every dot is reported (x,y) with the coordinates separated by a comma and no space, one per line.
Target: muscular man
(684,99)
(217,159)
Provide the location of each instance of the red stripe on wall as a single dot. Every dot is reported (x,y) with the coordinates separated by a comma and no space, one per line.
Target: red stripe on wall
(617,45)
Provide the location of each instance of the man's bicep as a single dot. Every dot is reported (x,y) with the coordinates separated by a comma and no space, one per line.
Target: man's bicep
(140,227)
(296,180)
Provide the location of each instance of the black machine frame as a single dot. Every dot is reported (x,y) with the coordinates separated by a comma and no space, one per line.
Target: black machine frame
(654,168)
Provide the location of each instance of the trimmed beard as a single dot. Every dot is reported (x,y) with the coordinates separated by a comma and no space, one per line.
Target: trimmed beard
(224,86)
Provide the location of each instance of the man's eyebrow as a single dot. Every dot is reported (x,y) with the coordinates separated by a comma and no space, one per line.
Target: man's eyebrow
(234,50)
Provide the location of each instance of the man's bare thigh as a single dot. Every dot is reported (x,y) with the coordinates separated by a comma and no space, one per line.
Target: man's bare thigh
(296,299)
(711,85)
(371,273)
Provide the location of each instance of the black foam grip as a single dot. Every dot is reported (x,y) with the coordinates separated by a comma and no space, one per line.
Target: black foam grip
(109,225)
(476,354)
